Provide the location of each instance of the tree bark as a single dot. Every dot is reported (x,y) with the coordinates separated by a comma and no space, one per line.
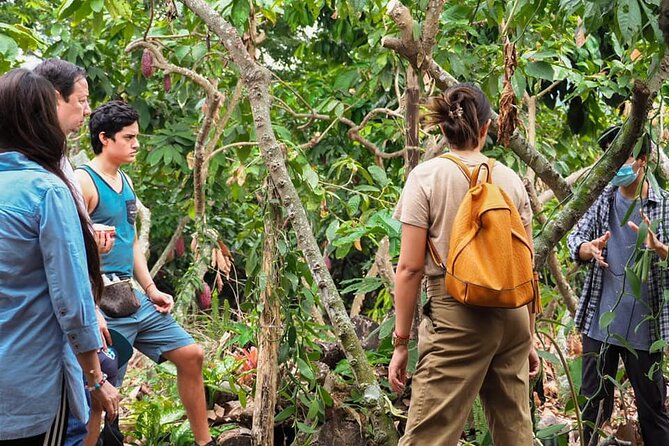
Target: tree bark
(269,335)
(170,246)
(257,80)
(412,95)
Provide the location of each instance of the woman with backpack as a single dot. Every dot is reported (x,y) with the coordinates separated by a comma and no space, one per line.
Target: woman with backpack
(463,350)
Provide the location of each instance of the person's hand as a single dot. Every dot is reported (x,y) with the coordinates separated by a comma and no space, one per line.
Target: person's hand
(397,370)
(534,363)
(105,240)
(107,396)
(163,302)
(651,239)
(593,250)
(104,330)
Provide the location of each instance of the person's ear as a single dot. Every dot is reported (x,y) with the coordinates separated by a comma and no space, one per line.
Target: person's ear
(642,160)
(59,98)
(103,138)
(484,129)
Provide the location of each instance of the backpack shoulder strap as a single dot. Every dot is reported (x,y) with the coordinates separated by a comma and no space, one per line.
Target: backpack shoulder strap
(463,167)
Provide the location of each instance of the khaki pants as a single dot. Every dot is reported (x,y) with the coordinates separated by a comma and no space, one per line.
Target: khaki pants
(463,352)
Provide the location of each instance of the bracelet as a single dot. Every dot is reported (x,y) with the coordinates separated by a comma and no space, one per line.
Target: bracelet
(146,288)
(97,385)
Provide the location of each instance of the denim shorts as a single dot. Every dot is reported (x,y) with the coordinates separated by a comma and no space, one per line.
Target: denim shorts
(150,332)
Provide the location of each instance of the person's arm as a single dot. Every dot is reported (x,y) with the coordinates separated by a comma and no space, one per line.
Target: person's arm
(407,286)
(89,195)
(64,257)
(408,276)
(103,393)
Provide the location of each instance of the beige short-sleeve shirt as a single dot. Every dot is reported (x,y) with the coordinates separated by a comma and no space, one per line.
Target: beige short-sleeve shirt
(433,193)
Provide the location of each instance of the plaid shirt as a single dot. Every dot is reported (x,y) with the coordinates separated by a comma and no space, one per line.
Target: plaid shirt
(594,224)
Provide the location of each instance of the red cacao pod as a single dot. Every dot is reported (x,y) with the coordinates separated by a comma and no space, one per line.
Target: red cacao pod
(180,247)
(147,63)
(204,298)
(167,83)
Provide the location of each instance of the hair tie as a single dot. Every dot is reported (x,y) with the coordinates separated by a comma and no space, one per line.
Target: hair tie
(456,112)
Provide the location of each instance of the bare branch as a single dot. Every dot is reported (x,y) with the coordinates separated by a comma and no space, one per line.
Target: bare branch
(431,27)
(161,63)
(144,214)
(199,165)
(170,247)
(230,146)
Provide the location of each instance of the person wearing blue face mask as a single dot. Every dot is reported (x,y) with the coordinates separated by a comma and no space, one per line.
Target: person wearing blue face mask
(606,240)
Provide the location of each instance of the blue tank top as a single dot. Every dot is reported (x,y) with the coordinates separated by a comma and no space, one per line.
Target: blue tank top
(118,209)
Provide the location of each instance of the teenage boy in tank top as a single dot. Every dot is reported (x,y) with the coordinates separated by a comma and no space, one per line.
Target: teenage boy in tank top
(110,200)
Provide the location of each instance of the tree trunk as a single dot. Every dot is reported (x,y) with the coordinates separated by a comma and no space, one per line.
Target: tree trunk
(269,335)
(411,158)
(257,80)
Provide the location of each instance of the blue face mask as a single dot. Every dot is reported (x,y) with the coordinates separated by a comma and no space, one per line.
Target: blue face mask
(625,176)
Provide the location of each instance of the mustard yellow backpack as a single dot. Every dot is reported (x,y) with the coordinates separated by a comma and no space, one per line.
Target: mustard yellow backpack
(490,262)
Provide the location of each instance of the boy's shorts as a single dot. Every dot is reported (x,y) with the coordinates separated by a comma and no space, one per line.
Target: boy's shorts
(150,332)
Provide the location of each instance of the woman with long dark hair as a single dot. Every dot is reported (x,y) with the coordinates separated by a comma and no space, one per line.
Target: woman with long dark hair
(463,351)
(49,272)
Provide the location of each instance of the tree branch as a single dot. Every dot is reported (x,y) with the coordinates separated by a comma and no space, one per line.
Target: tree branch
(161,63)
(170,246)
(592,186)
(430,28)
(407,48)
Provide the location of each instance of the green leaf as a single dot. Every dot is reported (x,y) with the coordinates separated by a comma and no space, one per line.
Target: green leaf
(284,414)
(305,369)
(540,70)
(634,280)
(346,80)
(8,47)
(310,176)
(23,36)
(353,205)
(379,175)
(641,234)
(625,343)
(240,13)
(628,16)
(606,319)
(67,8)
(331,231)
(303,427)
(97,5)
(657,346)
(550,431)
(550,357)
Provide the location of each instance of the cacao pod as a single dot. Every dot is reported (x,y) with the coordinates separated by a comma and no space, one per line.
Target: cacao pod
(147,63)
(204,298)
(180,247)
(167,83)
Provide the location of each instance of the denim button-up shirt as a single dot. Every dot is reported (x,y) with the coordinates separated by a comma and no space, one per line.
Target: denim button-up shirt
(45,299)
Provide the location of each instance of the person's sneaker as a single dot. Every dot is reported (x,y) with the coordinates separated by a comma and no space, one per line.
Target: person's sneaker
(211,443)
